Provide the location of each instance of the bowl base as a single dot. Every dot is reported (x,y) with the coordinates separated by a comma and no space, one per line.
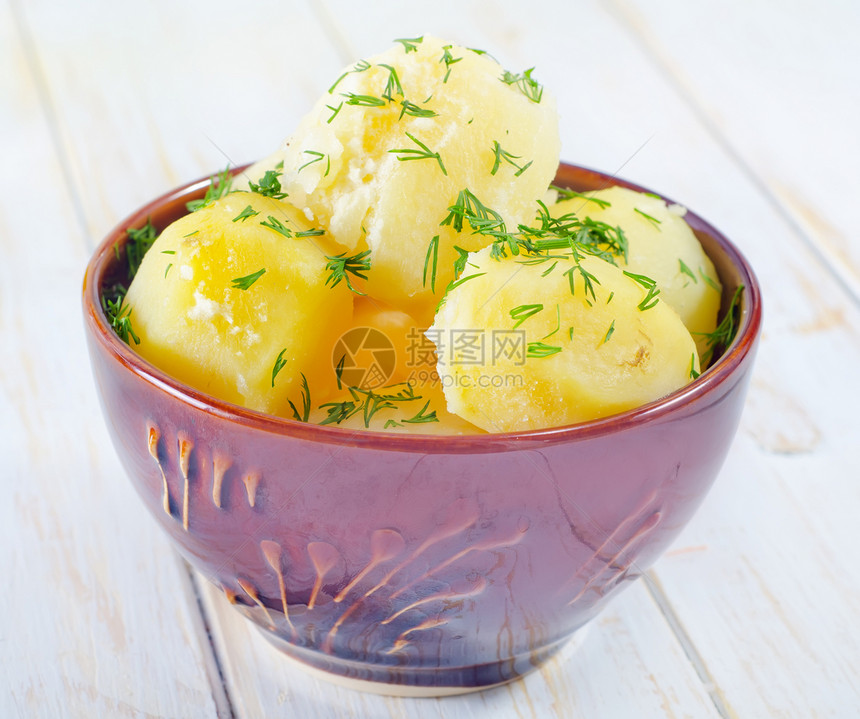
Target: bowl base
(405,689)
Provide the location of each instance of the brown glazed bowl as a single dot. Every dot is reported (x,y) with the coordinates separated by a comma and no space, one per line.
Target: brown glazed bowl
(411,564)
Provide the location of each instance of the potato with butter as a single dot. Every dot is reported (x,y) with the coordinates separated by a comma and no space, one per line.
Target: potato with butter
(398,139)
(661,246)
(233,300)
(555,353)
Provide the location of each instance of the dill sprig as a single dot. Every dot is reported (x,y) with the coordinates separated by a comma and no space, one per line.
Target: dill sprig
(341,266)
(360,66)
(413,110)
(527,85)
(724,333)
(334,112)
(539,350)
(652,220)
(138,244)
(449,60)
(368,403)
(269,185)
(305,414)
(650,285)
(220,185)
(684,269)
(245,214)
(316,157)
(392,86)
(364,100)
(482,219)
(503,155)
(566,194)
(280,363)
(422,153)
(609,333)
(421,417)
(244,283)
(432,253)
(273,223)
(118,313)
(410,44)
(588,280)
(523,312)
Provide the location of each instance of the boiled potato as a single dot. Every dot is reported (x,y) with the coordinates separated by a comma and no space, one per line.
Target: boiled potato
(394,143)
(552,357)
(661,246)
(237,309)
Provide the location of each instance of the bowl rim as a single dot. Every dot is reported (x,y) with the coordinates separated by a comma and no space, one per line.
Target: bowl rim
(749,327)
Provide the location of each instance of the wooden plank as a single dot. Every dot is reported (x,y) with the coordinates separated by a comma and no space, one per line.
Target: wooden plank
(93,616)
(627,664)
(150,96)
(778,85)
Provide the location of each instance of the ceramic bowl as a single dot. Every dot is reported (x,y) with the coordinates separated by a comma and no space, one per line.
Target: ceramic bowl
(416,564)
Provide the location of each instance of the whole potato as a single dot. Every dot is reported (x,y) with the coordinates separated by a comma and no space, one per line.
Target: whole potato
(527,346)
(232,300)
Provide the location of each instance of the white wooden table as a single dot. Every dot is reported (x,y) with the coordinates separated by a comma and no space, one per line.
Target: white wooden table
(745,110)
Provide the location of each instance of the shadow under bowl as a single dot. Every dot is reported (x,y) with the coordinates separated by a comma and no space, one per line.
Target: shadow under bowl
(411,564)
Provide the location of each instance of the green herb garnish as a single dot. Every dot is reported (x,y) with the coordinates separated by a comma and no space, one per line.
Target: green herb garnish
(449,60)
(687,271)
(609,333)
(220,185)
(526,84)
(317,157)
(138,244)
(273,223)
(393,86)
(566,194)
(653,220)
(432,251)
(305,414)
(539,350)
(334,111)
(245,214)
(725,331)
(422,153)
(269,185)
(650,299)
(410,108)
(360,66)
(503,155)
(523,312)
(410,44)
(341,266)
(118,315)
(422,418)
(364,100)
(243,283)
(280,363)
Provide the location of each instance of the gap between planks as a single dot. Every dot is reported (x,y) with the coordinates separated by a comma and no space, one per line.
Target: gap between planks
(655,590)
(629,19)
(202,625)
